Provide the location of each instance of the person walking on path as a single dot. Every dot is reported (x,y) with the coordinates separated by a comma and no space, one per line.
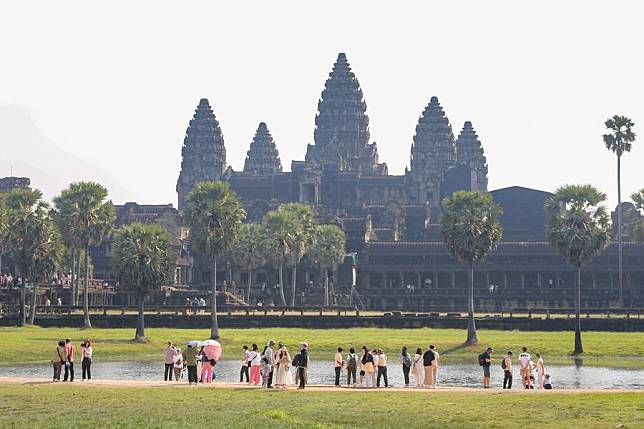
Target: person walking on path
(255,361)
(189,357)
(303,364)
(368,367)
(168,358)
(485,360)
(428,359)
(338,364)
(352,366)
(70,353)
(245,366)
(524,367)
(269,359)
(406,363)
(541,370)
(58,360)
(418,368)
(382,368)
(435,364)
(506,364)
(86,363)
(178,364)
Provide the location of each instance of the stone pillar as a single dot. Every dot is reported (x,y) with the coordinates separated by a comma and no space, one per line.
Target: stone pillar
(453,279)
(487,279)
(594,276)
(505,279)
(420,280)
(522,280)
(435,285)
(386,282)
(367,280)
(539,280)
(402,279)
(557,280)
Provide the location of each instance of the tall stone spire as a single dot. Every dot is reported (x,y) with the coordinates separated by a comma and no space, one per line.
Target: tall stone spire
(470,152)
(342,125)
(434,146)
(203,152)
(262,158)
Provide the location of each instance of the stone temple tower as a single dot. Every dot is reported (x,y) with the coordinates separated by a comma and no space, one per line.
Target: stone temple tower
(342,126)
(262,158)
(470,152)
(203,152)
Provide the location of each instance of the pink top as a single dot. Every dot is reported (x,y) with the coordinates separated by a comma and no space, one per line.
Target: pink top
(70,351)
(87,352)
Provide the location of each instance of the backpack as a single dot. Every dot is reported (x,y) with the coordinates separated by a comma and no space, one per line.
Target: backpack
(352,364)
(503,363)
(482,359)
(406,361)
(297,359)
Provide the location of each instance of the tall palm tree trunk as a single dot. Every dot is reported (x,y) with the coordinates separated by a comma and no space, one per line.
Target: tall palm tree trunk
(86,322)
(471,323)
(22,317)
(281,273)
(214,328)
(32,309)
(294,284)
(619,228)
(579,348)
(250,284)
(72,298)
(139,336)
(78,275)
(324,277)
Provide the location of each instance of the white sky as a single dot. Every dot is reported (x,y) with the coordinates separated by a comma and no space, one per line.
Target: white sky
(105,93)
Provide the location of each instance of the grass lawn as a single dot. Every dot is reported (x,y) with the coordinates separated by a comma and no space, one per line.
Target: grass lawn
(34,344)
(49,406)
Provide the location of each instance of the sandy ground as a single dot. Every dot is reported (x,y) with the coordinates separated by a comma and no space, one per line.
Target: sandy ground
(23,381)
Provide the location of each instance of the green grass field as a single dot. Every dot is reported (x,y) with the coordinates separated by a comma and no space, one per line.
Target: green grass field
(59,406)
(34,344)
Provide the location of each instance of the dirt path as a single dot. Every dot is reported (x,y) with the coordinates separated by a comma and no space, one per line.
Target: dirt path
(24,381)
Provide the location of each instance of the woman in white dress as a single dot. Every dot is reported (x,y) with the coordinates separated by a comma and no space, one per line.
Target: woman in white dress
(284,377)
(417,368)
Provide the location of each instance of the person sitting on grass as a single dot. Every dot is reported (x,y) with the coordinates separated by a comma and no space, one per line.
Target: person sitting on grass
(547,384)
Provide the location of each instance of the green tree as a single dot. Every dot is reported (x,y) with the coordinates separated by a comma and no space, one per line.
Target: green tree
(84,210)
(579,229)
(250,251)
(65,214)
(214,215)
(619,140)
(471,229)
(281,242)
(142,263)
(4,227)
(303,235)
(328,251)
(638,202)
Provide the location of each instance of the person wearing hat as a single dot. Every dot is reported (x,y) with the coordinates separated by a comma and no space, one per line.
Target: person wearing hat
(485,360)
(189,357)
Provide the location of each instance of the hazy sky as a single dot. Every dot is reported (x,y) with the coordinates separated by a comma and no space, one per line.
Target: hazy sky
(106,93)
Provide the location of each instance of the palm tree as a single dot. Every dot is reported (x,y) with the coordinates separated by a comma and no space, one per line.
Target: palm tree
(304,233)
(619,140)
(579,229)
(281,242)
(4,227)
(328,252)
(638,202)
(471,229)
(85,211)
(250,251)
(214,214)
(142,263)
(65,210)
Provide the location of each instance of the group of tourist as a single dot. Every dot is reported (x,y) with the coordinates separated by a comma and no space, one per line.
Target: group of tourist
(527,367)
(8,281)
(262,368)
(64,356)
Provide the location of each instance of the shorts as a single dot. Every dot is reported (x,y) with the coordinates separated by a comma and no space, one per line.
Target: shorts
(486,371)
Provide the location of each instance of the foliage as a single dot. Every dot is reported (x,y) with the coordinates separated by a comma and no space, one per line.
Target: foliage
(304,230)
(620,136)
(637,228)
(328,247)
(579,226)
(250,252)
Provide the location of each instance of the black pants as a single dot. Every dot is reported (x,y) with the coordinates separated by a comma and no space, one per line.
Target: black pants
(243,372)
(69,372)
(302,372)
(269,383)
(382,372)
(507,380)
(406,374)
(167,376)
(192,374)
(86,366)
(351,372)
(338,370)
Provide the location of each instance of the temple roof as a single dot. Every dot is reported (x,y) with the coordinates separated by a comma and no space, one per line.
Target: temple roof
(262,157)
(470,152)
(434,144)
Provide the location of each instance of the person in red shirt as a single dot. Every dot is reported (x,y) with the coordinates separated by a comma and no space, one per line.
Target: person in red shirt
(70,352)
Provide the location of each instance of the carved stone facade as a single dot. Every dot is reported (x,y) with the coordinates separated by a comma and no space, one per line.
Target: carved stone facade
(262,158)
(470,152)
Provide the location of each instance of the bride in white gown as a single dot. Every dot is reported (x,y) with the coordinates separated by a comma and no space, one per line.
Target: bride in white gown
(284,377)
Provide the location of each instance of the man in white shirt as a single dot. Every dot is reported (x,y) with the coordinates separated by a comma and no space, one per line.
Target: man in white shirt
(269,355)
(524,367)
(338,363)
(381,364)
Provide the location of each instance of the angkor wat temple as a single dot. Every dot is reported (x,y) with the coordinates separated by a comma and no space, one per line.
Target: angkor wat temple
(392,221)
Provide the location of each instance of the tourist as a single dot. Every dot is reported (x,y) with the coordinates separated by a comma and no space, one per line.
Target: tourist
(428,366)
(59,302)
(168,357)
(207,367)
(86,363)
(58,360)
(178,364)
(541,370)
(70,354)
(338,364)
(485,360)
(547,384)
(303,364)
(245,366)
(418,368)
(435,363)
(352,366)
(406,362)
(284,377)
(374,353)
(255,362)
(268,364)
(189,357)
(506,364)
(367,371)
(382,368)
(524,367)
